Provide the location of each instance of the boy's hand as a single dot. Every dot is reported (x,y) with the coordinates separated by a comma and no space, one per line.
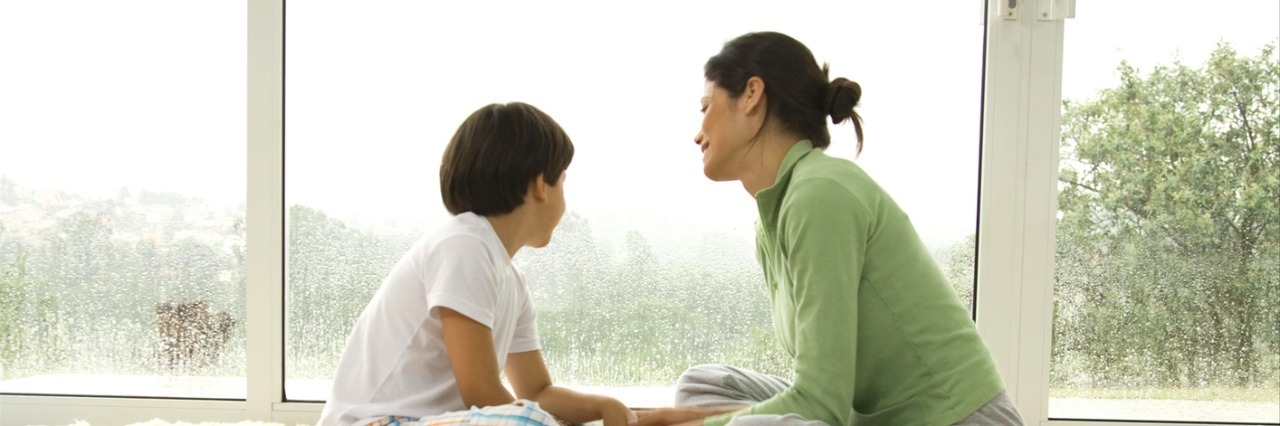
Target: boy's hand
(614,413)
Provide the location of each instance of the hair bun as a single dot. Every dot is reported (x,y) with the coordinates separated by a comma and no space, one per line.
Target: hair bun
(842,96)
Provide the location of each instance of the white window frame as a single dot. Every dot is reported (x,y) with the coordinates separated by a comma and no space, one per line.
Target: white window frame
(1022,93)
(1016,232)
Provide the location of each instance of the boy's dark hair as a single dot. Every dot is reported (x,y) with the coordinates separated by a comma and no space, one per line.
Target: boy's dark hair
(494,155)
(800,97)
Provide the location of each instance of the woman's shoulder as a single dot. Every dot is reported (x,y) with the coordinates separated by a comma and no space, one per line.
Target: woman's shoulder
(819,174)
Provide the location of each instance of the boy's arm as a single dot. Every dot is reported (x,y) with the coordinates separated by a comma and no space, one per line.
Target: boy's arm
(475,367)
(528,375)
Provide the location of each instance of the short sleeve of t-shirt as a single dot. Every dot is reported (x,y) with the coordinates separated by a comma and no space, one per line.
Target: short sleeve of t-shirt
(461,277)
(526,337)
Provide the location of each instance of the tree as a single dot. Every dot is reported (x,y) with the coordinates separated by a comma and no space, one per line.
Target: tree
(15,288)
(957,263)
(1170,224)
(31,329)
(333,272)
(633,317)
(8,191)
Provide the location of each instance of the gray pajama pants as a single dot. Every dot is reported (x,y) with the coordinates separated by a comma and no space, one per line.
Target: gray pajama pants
(714,385)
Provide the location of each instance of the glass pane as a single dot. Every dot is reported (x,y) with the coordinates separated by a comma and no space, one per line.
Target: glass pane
(1168,233)
(653,267)
(122,182)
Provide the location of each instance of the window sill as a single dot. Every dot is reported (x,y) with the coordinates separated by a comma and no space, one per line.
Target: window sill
(144,393)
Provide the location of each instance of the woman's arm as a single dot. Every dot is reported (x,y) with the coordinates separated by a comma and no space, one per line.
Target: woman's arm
(475,365)
(680,416)
(528,375)
(822,229)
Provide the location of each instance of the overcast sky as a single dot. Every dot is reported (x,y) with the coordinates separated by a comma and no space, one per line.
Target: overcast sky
(150,94)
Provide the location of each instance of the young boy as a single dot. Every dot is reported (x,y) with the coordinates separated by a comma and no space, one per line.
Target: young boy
(454,312)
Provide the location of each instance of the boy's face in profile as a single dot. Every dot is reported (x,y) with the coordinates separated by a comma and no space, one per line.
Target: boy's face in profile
(553,210)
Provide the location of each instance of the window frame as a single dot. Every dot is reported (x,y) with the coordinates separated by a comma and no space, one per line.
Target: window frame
(1016,231)
(1017,201)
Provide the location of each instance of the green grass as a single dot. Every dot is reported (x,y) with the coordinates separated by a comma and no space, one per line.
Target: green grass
(1197,394)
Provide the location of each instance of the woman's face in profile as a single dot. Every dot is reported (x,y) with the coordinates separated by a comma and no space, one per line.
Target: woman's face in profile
(720,139)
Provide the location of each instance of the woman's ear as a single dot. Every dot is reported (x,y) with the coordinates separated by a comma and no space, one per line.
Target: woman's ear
(753,96)
(538,189)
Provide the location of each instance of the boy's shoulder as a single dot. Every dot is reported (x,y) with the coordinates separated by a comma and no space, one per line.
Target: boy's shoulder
(462,225)
(463,236)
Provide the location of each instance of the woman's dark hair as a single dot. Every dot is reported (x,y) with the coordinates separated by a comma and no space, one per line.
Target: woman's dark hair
(494,155)
(799,95)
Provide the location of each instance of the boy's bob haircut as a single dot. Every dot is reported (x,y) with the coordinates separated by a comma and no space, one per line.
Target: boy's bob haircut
(496,153)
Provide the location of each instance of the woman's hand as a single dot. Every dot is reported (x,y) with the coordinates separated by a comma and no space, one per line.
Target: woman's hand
(615,413)
(672,416)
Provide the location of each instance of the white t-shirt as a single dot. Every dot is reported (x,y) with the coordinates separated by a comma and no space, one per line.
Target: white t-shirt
(395,362)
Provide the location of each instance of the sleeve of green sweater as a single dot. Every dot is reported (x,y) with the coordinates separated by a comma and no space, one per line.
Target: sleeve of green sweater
(823,229)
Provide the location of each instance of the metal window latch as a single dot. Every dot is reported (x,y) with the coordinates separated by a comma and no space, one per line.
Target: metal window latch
(1008,9)
(1056,10)
(1046,10)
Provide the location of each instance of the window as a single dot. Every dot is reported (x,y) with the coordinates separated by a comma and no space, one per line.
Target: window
(650,252)
(1168,243)
(122,198)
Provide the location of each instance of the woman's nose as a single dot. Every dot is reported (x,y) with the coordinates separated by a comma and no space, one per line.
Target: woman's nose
(697,140)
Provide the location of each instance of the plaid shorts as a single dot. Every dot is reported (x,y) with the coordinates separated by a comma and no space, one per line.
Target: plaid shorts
(519,413)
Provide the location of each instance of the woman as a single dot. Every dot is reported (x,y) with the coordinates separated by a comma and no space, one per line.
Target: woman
(877,334)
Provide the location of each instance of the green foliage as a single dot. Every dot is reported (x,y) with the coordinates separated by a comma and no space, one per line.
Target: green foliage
(14,291)
(642,319)
(82,294)
(8,191)
(1170,223)
(637,319)
(1177,394)
(332,272)
(957,263)
(31,330)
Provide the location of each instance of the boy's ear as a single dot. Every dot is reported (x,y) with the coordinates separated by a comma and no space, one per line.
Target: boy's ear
(538,189)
